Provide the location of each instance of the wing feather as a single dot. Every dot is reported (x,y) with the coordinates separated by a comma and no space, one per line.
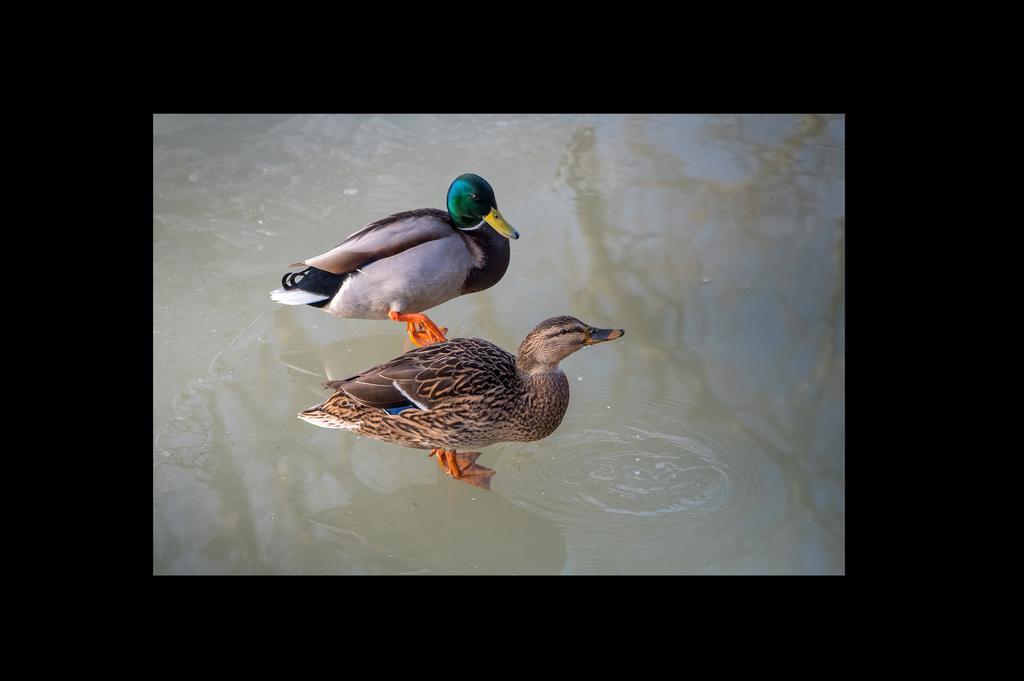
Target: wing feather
(429,375)
(385,238)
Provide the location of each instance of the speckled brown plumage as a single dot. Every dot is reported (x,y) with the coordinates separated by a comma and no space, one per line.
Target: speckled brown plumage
(466,392)
(472,392)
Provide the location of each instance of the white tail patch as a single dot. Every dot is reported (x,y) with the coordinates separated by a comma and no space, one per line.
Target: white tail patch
(323,422)
(296,297)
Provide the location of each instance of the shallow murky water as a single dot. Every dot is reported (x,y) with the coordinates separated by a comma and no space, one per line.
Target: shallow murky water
(710,439)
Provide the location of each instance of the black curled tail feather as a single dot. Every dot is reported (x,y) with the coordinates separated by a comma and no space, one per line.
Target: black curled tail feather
(315,281)
(288,280)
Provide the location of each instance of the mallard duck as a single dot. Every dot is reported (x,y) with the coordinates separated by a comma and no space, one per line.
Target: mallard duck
(400,266)
(464,392)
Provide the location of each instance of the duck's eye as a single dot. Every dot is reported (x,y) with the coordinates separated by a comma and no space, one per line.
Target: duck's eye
(475,197)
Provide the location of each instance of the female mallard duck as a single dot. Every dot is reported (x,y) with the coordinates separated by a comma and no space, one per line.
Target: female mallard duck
(461,393)
(399,266)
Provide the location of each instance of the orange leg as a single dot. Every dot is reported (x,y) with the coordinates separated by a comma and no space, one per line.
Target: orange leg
(422,331)
(463,467)
(439,453)
(453,464)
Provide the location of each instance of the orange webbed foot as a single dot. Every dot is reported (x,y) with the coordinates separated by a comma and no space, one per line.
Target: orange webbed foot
(421,329)
(462,466)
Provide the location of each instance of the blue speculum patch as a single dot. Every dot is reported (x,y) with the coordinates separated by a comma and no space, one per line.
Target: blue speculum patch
(399,410)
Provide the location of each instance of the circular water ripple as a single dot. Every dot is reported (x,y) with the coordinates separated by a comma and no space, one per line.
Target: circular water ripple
(670,487)
(605,471)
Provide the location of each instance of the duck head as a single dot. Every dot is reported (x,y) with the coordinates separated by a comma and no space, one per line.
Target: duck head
(471,203)
(554,339)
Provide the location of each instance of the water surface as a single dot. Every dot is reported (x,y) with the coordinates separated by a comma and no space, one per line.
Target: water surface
(710,439)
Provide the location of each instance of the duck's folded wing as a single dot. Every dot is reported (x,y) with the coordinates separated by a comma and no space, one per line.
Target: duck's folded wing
(426,376)
(384,238)
(389,386)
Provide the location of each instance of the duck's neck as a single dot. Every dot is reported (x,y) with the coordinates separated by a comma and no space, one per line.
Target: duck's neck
(529,364)
(546,399)
(541,378)
(490,258)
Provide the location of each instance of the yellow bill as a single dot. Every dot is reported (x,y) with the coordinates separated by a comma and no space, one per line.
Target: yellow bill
(495,220)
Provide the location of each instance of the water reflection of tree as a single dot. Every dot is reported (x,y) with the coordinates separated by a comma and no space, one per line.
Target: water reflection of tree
(615,259)
(242,475)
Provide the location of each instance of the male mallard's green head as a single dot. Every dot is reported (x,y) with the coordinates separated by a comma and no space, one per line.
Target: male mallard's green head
(471,202)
